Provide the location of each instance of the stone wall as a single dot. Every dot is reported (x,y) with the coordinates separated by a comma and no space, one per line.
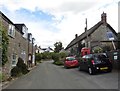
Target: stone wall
(17,46)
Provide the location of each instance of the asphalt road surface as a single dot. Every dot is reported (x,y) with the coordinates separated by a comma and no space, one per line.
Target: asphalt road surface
(49,76)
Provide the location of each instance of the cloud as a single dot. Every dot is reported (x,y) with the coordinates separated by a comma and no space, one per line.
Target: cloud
(76,7)
(58,20)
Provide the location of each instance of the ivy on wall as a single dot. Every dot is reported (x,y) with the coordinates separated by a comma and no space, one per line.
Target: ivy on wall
(0,48)
(4,45)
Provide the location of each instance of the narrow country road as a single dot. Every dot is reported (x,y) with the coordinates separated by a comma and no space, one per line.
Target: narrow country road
(49,76)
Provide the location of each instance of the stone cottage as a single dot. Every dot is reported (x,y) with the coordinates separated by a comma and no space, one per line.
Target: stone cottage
(100,35)
(18,43)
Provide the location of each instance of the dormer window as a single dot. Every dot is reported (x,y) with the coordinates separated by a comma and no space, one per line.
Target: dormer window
(25,31)
(33,40)
(11,30)
(30,37)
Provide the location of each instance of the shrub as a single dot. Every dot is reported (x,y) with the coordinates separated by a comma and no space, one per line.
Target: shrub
(97,49)
(79,59)
(15,71)
(38,57)
(59,63)
(0,76)
(62,55)
(55,57)
(20,68)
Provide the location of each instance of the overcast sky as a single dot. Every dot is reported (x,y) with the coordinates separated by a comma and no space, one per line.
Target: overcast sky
(50,21)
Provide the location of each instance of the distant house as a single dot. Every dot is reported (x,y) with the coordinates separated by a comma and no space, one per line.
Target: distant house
(100,35)
(42,50)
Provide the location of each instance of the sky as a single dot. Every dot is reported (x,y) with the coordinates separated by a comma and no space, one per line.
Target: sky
(51,21)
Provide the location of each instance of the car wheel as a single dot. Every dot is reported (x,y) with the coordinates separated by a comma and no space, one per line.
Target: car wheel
(79,68)
(90,70)
(110,70)
(66,67)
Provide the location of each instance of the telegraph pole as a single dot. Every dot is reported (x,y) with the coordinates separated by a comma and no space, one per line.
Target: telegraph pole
(86,33)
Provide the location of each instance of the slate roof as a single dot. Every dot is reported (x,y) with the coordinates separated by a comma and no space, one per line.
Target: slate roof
(89,32)
(5,18)
(19,29)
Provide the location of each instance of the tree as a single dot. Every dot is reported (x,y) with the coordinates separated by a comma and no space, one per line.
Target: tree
(58,47)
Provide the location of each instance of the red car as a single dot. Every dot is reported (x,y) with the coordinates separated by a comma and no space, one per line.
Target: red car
(71,62)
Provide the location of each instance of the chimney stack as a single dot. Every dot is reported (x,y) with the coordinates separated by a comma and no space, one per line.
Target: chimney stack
(104,18)
(76,35)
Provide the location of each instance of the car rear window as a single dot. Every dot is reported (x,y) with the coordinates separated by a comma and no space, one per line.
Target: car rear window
(71,58)
(101,58)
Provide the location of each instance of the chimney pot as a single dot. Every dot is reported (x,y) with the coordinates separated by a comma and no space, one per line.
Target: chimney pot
(103,18)
(76,35)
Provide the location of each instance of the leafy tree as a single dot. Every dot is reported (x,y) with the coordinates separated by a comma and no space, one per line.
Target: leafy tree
(58,47)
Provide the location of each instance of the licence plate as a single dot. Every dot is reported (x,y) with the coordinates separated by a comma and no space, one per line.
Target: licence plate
(72,65)
(104,68)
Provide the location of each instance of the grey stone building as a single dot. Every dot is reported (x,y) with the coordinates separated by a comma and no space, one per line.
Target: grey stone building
(100,35)
(19,43)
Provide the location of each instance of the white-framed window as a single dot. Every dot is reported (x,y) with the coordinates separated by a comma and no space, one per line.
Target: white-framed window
(25,31)
(11,30)
(23,55)
(14,59)
(30,38)
(110,36)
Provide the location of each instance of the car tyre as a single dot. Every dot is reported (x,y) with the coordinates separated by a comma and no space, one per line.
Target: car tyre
(79,68)
(66,67)
(110,70)
(91,71)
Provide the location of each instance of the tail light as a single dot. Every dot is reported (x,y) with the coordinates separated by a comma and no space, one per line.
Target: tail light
(93,62)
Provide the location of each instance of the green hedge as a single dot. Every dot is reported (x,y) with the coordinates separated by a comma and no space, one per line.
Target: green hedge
(59,63)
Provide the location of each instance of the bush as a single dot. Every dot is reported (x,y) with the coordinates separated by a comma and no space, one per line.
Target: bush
(56,57)
(38,57)
(15,72)
(97,49)
(59,63)
(20,68)
(0,76)
(62,55)
(79,59)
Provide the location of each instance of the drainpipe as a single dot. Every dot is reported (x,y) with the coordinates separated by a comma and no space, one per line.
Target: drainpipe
(32,48)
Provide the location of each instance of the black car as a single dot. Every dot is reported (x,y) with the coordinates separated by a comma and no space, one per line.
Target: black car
(95,63)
